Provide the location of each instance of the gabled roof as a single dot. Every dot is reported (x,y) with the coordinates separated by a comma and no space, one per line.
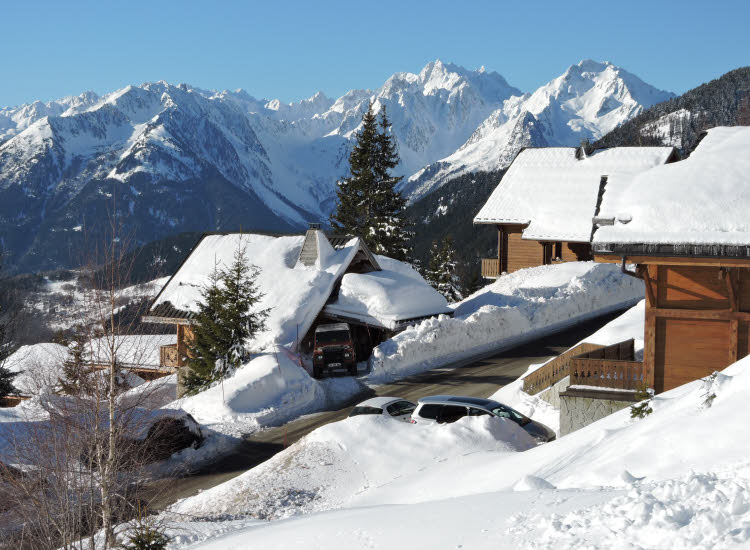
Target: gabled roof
(554,192)
(295,292)
(696,207)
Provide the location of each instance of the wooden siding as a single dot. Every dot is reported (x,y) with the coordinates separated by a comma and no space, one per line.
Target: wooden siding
(491,268)
(522,253)
(576,252)
(697,320)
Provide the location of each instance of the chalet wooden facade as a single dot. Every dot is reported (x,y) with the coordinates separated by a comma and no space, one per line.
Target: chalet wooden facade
(543,207)
(684,230)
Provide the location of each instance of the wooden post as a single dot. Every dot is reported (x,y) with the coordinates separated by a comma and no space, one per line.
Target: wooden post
(734,326)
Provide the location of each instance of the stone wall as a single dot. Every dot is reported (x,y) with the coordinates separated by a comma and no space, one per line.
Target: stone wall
(579,408)
(552,394)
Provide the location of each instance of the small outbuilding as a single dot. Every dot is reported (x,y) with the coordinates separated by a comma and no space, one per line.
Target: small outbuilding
(305,280)
(685,228)
(543,206)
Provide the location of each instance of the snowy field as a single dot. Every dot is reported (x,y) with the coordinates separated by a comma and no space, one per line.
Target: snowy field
(679,478)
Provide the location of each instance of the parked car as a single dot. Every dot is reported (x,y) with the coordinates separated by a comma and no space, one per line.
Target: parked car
(333,351)
(390,407)
(450,408)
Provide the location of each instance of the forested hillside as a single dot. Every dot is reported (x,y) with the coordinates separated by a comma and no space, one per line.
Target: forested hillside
(679,121)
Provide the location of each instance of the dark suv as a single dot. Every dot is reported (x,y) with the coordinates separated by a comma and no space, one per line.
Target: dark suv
(333,351)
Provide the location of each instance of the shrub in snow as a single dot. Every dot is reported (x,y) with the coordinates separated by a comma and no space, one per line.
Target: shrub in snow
(146,535)
(708,385)
(224,322)
(643,408)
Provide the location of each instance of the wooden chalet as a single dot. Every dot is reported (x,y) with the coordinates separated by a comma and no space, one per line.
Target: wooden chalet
(305,281)
(543,206)
(685,230)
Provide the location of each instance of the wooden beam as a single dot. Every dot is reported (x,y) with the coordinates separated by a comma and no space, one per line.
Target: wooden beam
(678,260)
(734,326)
(643,269)
(733,298)
(709,314)
(649,348)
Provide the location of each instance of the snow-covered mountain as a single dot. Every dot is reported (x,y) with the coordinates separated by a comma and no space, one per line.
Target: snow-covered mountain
(178,158)
(587,101)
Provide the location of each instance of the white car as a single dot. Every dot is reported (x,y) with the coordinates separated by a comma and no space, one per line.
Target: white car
(390,407)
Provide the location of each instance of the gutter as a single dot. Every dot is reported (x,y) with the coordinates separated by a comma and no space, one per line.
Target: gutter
(627,272)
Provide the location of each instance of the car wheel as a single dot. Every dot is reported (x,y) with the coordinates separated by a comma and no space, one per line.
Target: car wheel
(317,373)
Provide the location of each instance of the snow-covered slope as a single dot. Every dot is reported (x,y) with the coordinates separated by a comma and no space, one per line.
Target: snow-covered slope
(190,159)
(585,102)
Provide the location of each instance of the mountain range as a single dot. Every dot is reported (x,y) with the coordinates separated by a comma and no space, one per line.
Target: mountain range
(168,158)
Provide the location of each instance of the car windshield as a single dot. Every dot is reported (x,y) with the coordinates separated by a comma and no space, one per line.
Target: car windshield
(328,336)
(365,410)
(507,412)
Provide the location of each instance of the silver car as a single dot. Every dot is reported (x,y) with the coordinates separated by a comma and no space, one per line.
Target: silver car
(390,407)
(449,408)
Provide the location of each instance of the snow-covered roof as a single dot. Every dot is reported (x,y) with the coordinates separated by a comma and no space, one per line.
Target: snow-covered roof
(389,298)
(555,193)
(295,293)
(36,366)
(702,200)
(140,351)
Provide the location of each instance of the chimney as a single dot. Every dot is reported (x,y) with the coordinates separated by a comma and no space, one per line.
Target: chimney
(315,245)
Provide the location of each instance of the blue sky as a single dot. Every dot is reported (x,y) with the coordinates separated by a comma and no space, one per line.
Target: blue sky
(290,50)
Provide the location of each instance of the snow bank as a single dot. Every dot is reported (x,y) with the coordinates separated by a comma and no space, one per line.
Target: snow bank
(515,308)
(269,390)
(329,466)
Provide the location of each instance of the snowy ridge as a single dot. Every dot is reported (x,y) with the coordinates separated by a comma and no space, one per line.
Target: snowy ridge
(586,102)
(173,144)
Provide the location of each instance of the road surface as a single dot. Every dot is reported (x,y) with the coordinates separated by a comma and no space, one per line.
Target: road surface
(479,378)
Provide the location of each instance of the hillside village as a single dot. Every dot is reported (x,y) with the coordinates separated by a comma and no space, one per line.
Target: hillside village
(581,384)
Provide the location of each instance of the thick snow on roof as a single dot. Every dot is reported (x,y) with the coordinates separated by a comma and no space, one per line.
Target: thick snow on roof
(294,293)
(556,194)
(36,365)
(385,298)
(703,199)
(134,350)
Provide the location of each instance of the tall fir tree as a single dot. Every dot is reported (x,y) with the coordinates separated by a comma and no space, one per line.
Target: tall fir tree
(442,271)
(355,209)
(368,203)
(76,372)
(392,237)
(6,348)
(224,323)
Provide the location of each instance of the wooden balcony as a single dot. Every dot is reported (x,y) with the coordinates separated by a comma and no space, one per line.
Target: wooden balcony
(168,356)
(611,367)
(587,364)
(554,370)
(490,268)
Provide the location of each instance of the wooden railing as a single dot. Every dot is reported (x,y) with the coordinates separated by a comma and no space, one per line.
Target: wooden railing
(490,268)
(555,369)
(168,356)
(609,367)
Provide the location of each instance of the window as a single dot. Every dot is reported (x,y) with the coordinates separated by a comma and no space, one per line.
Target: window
(558,251)
(515,416)
(430,411)
(478,412)
(400,408)
(451,413)
(365,410)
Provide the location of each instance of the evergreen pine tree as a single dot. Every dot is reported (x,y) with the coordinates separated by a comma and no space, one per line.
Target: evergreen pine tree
(392,237)
(75,375)
(442,271)
(355,209)
(368,203)
(223,323)
(6,377)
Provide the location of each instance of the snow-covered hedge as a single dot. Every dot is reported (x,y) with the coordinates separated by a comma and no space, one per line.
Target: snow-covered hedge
(515,308)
